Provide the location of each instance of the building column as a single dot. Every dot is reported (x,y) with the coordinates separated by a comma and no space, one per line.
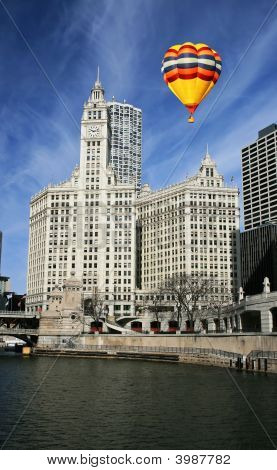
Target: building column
(229,327)
(222,324)
(238,322)
(266,321)
(211,325)
(226,325)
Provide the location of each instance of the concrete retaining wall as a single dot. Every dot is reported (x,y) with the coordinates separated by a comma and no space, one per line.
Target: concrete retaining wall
(237,343)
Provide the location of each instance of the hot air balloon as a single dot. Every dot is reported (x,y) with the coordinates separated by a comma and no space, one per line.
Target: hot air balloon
(191,71)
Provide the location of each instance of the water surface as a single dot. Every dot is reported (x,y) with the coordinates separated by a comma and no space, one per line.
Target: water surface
(120,404)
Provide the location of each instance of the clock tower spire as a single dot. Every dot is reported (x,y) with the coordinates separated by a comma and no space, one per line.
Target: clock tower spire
(97,92)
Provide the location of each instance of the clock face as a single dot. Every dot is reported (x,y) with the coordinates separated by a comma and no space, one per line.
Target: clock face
(94,131)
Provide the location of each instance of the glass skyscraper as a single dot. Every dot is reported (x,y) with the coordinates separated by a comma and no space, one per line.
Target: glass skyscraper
(125,153)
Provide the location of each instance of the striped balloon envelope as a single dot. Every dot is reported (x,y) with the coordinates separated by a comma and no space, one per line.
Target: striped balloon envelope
(191,71)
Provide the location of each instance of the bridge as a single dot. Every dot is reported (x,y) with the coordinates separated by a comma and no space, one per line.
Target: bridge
(22,325)
(256,313)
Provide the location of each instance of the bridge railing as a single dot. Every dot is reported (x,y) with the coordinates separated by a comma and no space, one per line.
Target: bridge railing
(17,313)
(18,331)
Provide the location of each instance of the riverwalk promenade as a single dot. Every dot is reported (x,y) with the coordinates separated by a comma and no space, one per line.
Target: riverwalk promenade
(244,351)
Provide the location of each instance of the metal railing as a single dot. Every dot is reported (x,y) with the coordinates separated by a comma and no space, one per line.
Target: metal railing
(144,349)
(256,354)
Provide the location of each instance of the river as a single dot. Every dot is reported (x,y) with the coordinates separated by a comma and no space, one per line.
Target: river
(76,403)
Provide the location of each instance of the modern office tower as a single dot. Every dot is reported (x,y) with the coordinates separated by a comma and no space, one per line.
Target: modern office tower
(4,285)
(193,228)
(259,179)
(258,258)
(125,156)
(85,226)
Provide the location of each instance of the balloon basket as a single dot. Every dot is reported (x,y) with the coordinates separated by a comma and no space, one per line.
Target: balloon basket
(191,119)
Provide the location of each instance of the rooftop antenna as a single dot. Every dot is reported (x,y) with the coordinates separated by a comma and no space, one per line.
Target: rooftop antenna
(207,151)
(98,74)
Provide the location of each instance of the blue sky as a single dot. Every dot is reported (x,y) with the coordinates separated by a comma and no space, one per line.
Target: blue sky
(39,138)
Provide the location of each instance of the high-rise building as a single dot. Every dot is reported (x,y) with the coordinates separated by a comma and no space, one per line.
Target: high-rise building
(259,179)
(191,227)
(4,285)
(85,225)
(258,258)
(125,156)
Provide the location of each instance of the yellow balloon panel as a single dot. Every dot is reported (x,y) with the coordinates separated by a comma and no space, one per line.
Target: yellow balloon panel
(190,92)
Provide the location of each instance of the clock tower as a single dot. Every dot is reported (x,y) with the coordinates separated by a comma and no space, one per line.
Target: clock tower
(95,137)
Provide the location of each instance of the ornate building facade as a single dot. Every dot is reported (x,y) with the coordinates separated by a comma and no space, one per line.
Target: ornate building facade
(86,224)
(191,227)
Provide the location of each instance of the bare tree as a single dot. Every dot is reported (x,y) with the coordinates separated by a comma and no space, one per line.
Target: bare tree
(94,306)
(156,302)
(219,303)
(191,294)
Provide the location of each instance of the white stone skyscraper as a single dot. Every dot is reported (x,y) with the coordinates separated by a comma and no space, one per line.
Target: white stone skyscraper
(125,157)
(193,228)
(86,225)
